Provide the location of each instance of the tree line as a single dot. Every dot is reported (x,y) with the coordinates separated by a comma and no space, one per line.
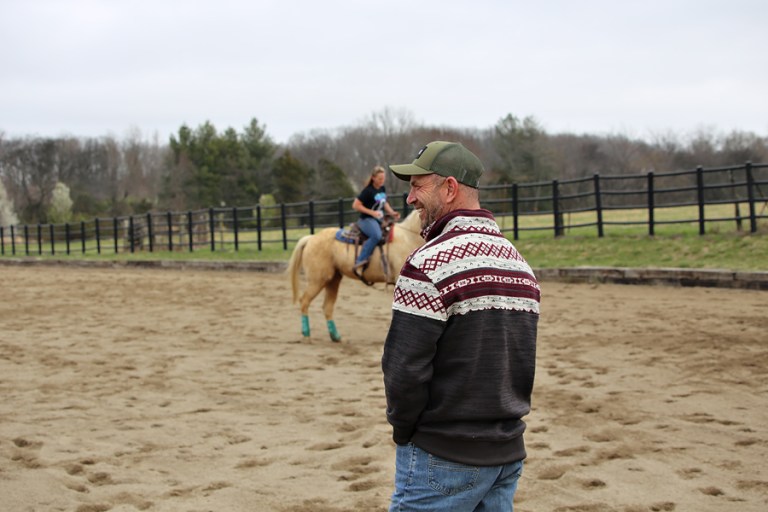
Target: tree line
(53,180)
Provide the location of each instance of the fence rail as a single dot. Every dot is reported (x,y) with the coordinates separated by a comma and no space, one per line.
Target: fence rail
(556,206)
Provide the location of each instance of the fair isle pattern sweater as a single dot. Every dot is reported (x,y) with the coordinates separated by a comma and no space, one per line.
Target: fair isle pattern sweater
(459,358)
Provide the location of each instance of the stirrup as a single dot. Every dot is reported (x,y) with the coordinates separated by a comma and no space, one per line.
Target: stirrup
(358,270)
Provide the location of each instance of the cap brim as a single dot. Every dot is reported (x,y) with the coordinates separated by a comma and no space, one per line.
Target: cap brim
(405,171)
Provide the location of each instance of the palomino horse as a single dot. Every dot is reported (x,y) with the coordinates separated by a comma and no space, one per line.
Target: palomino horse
(325,260)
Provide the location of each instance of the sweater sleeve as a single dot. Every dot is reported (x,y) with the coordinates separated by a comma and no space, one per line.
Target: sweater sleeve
(418,321)
(407,365)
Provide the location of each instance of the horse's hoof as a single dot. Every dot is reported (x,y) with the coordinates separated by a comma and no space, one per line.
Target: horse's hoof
(335,336)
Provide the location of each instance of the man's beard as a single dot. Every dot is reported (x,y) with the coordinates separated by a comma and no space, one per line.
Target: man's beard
(430,215)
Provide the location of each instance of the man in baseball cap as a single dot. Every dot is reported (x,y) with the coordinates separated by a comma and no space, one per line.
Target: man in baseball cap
(460,353)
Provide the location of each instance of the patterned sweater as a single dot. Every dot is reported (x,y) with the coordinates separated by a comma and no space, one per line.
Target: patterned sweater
(459,358)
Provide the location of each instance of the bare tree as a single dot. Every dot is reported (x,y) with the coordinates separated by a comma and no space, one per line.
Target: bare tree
(384,137)
(135,183)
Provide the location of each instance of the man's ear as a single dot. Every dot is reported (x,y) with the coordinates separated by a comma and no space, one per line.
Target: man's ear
(453,188)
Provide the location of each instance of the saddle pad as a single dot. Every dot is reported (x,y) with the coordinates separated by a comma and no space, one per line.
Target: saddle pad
(343,235)
(351,235)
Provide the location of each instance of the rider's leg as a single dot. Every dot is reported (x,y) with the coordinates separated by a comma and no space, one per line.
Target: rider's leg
(372,230)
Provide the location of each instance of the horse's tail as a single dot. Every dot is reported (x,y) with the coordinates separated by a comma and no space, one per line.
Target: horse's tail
(294,265)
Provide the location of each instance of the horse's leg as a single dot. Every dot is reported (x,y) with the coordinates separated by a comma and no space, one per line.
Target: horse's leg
(331,293)
(312,290)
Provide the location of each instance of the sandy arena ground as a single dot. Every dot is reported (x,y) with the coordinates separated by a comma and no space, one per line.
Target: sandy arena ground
(167,390)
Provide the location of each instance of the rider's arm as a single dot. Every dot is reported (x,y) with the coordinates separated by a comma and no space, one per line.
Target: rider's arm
(391,210)
(360,207)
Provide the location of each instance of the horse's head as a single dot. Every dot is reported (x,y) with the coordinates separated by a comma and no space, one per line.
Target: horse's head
(411,222)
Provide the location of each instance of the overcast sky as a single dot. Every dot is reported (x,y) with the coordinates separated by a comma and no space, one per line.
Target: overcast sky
(637,67)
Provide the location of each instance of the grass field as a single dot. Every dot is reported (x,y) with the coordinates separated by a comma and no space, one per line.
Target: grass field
(626,243)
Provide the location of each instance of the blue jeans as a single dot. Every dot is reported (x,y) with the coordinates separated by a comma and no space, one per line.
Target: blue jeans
(425,482)
(372,230)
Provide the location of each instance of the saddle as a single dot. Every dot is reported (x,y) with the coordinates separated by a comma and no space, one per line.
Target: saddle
(352,234)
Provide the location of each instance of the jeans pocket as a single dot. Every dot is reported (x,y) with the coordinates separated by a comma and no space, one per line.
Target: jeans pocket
(451,478)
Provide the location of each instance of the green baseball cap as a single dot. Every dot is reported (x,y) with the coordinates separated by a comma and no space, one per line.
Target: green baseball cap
(446,159)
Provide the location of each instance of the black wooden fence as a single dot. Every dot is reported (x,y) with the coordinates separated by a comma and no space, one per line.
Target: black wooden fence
(558,206)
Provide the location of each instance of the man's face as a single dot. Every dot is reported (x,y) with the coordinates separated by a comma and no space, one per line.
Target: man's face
(426,195)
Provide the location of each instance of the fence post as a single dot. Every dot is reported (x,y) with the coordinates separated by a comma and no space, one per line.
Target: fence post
(311,217)
(515,212)
(2,240)
(169,221)
(82,235)
(651,205)
(212,228)
(66,236)
(190,231)
(598,205)
(700,196)
(284,222)
(751,197)
(258,227)
(405,205)
(341,212)
(115,232)
(235,229)
(556,209)
(53,241)
(150,232)
(39,239)
(26,239)
(131,232)
(98,235)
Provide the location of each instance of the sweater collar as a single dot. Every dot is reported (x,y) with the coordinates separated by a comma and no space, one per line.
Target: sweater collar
(439,226)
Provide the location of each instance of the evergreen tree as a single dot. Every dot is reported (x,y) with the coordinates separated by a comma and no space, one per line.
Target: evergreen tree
(522,150)
(330,182)
(212,169)
(291,178)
